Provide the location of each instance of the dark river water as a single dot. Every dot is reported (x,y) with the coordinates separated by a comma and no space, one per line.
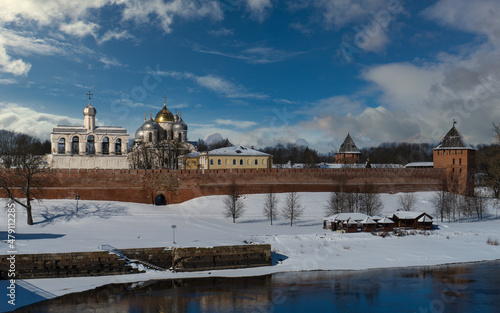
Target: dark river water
(452,288)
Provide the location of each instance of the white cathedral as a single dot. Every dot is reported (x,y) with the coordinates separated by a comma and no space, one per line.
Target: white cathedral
(160,141)
(89,146)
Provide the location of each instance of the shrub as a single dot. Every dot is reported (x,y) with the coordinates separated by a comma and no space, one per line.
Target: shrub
(491,241)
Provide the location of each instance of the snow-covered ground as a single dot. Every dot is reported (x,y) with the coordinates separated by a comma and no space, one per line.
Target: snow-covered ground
(60,227)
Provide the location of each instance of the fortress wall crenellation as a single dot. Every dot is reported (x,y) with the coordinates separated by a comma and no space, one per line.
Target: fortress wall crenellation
(129,185)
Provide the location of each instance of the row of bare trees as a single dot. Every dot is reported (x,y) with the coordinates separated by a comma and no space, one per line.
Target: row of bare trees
(367,202)
(292,208)
(162,154)
(454,207)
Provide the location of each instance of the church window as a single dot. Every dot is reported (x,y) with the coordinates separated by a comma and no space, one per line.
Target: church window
(241,161)
(105,145)
(61,148)
(227,162)
(75,145)
(150,137)
(90,145)
(256,162)
(460,161)
(118,146)
(264,162)
(234,161)
(453,161)
(248,162)
(219,162)
(211,161)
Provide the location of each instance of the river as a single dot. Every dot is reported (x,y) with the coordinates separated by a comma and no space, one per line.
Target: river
(448,288)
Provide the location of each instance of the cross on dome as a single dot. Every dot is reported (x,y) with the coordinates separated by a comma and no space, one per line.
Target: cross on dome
(90,94)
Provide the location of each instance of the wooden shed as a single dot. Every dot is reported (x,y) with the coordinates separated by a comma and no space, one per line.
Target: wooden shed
(409,220)
(425,223)
(344,221)
(386,224)
(369,225)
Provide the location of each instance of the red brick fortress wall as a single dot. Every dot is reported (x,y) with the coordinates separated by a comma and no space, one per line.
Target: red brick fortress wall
(182,185)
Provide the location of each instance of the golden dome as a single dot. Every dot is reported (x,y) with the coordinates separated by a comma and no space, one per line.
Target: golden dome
(164,115)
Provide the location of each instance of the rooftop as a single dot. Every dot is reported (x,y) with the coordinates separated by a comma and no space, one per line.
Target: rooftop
(453,140)
(348,146)
(236,150)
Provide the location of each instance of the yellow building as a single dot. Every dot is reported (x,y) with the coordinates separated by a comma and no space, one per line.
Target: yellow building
(235,157)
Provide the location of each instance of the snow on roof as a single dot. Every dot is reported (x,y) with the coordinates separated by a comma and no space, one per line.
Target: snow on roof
(348,146)
(376,218)
(420,164)
(341,217)
(425,218)
(386,220)
(453,140)
(193,154)
(405,215)
(368,220)
(236,150)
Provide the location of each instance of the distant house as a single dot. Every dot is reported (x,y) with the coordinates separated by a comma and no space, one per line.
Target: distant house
(386,224)
(368,225)
(416,220)
(347,222)
(235,157)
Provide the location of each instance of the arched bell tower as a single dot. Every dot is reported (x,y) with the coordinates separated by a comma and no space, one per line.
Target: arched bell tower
(89,115)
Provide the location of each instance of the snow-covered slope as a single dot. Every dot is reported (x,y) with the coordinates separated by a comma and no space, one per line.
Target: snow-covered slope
(60,227)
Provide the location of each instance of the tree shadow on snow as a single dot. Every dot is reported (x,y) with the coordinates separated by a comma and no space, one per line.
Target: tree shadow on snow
(3,234)
(58,214)
(278,258)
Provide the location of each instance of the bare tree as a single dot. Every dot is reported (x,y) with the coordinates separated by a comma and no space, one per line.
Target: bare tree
(233,203)
(25,177)
(271,206)
(443,203)
(407,201)
(352,202)
(337,203)
(293,209)
(496,131)
(370,202)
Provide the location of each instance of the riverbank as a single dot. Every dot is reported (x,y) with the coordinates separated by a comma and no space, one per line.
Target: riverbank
(60,227)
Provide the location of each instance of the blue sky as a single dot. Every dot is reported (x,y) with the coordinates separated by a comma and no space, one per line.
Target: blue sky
(257,71)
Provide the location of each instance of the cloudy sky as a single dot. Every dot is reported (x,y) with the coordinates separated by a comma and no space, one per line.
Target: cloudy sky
(257,71)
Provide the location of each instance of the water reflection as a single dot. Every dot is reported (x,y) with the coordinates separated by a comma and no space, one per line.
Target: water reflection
(456,288)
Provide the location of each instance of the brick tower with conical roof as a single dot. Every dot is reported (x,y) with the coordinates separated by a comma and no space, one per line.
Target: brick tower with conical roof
(459,160)
(348,152)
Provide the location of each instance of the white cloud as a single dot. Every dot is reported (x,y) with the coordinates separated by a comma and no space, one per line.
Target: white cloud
(109,61)
(26,120)
(259,54)
(478,16)
(235,123)
(80,29)
(339,13)
(216,84)
(165,12)
(259,8)
(50,20)
(16,67)
(7,81)
(115,35)
(221,32)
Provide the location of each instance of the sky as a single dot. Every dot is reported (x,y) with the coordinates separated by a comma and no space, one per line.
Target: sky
(259,72)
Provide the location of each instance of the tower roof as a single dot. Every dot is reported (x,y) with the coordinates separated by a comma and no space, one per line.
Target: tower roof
(453,140)
(348,146)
